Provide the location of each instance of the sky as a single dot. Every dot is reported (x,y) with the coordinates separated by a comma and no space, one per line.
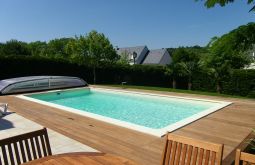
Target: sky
(155,23)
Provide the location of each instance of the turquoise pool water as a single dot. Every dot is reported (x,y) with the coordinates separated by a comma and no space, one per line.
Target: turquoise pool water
(145,110)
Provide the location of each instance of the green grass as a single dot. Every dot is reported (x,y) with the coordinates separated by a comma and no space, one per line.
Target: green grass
(177,91)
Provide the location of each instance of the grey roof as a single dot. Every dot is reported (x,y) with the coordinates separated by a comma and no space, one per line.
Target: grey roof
(154,56)
(137,49)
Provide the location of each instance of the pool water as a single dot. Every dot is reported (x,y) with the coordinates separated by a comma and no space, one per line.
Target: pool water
(150,111)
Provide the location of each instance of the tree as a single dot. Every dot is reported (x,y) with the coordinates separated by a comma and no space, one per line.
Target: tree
(77,50)
(37,48)
(173,70)
(185,61)
(56,48)
(188,68)
(93,49)
(212,3)
(99,49)
(14,47)
(230,52)
(232,46)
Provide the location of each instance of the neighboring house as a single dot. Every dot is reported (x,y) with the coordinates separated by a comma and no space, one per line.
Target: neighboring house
(141,52)
(158,57)
(145,56)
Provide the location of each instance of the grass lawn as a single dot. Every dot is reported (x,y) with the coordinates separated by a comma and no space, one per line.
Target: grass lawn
(176,90)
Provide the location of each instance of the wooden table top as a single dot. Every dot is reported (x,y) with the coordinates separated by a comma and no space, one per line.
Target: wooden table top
(82,158)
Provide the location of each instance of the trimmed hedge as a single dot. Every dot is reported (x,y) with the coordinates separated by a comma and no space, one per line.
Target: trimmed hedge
(106,73)
(240,82)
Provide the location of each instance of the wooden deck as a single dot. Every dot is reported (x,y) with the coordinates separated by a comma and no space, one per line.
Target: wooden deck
(229,126)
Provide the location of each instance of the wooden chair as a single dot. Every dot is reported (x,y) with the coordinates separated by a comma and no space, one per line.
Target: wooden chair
(244,157)
(23,148)
(185,151)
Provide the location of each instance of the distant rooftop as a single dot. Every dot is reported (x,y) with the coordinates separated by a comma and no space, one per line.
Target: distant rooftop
(146,56)
(137,49)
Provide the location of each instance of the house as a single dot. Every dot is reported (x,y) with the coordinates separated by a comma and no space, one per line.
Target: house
(141,52)
(158,57)
(145,56)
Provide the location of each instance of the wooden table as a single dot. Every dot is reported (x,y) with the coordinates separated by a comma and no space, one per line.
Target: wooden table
(82,158)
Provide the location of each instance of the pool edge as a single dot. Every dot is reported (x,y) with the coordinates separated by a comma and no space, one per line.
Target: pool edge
(155,132)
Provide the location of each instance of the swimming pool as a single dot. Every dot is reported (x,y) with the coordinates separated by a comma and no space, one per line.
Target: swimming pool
(148,113)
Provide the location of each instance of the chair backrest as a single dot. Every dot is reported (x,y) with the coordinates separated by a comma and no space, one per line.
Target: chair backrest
(23,148)
(243,157)
(185,151)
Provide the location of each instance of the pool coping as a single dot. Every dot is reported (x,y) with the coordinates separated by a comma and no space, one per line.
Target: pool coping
(155,132)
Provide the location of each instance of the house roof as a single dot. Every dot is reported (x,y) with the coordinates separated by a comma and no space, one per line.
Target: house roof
(137,49)
(154,56)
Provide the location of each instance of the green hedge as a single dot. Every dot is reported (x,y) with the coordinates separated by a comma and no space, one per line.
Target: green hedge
(240,82)
(107,73)
(14,66)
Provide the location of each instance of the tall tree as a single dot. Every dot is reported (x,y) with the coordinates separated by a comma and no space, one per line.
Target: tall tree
(92,48)
(232,46)
(230,52)
(173,71)
(188,68)
(99,49)
(185,63)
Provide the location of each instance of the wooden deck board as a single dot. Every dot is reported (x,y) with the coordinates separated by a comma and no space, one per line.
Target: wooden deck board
(230,126)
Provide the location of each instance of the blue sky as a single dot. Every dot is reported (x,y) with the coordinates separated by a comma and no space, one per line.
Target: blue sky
(155,23)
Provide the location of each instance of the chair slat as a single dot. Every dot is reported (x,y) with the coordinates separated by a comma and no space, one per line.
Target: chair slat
(184,154)
(43,145)
(5,159)
(213,158)
(207,157)
(28,150)
(179,149)
(47,141)
(195,156)
(33,148)
(11,154)
(16,153)
(168,152)
(173,153)
(189,154)
(201,155)
(38,147)
(22,152)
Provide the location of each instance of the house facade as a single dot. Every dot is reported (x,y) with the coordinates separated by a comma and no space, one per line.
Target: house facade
(141,52)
